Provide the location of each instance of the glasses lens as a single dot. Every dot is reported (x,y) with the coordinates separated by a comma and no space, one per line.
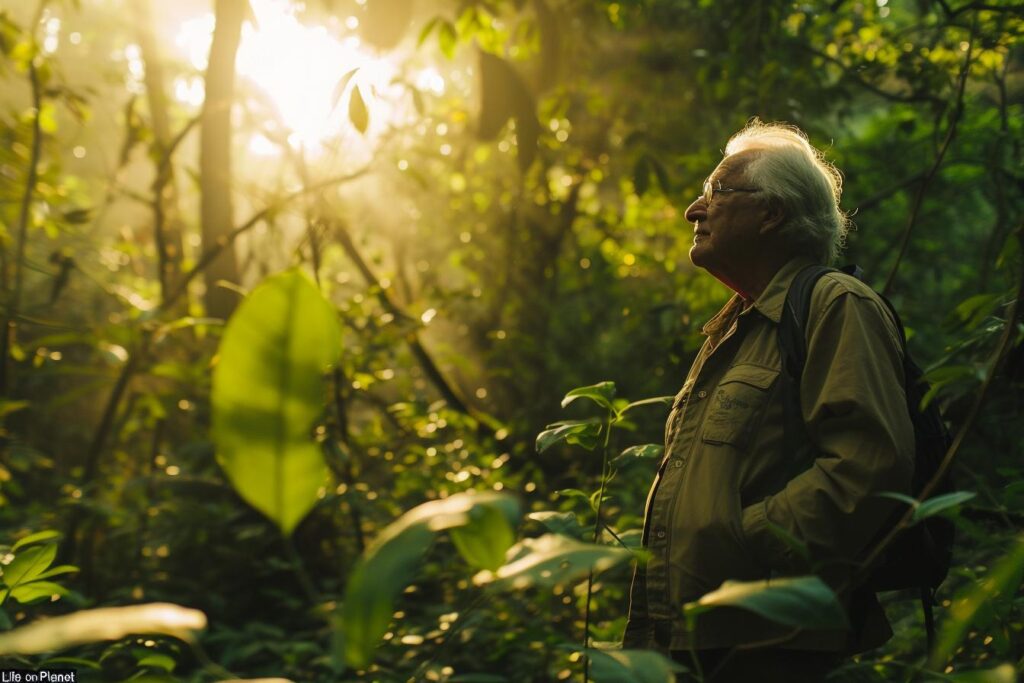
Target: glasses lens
(708,192)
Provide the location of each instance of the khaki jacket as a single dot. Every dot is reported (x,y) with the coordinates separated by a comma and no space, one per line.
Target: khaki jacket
(725,476)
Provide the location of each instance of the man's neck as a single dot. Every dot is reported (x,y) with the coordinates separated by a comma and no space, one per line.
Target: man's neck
(750,282)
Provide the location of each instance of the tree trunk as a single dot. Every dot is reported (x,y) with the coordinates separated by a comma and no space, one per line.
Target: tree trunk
(167,224)
(215,156)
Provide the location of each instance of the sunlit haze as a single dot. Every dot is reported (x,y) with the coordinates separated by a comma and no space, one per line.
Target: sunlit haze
(299,68)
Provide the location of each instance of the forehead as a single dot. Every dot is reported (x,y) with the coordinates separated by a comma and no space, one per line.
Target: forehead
(734,165)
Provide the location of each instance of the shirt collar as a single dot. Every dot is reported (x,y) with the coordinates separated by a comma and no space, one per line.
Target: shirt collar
(773,298)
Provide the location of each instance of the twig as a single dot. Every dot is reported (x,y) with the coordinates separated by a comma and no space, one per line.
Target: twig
(1006,342)
(227,240)
(957,112)
(597,532)
(9,325)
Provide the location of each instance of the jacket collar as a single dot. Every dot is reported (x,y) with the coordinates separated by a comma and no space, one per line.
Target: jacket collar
(769,304)
(773,298)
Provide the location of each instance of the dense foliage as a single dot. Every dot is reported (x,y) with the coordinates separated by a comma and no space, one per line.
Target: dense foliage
(284,400)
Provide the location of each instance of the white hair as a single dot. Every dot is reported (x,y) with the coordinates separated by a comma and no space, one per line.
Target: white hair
(796,175)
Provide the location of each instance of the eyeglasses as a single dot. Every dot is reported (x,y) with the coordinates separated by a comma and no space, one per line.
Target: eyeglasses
(711,189)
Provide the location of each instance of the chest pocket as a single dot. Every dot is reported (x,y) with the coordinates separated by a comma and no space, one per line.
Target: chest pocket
(737,405)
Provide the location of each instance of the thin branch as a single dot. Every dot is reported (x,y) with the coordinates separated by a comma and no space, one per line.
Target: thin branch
(868,85)
(957,113)
(227,240)
(999,356)
(9,326)
(422,356)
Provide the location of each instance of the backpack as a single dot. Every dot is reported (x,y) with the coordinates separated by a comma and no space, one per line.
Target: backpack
(920,556)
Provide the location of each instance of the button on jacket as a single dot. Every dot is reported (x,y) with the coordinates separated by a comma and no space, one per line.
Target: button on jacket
(725,478)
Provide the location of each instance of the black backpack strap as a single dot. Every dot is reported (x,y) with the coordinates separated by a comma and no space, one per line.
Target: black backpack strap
(793,352)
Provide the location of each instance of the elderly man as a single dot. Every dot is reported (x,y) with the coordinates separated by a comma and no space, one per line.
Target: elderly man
(728,492)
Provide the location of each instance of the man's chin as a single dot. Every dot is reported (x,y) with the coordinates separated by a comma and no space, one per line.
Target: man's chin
(698,256)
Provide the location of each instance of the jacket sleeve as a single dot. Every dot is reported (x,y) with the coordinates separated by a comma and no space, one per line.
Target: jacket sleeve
(854,406)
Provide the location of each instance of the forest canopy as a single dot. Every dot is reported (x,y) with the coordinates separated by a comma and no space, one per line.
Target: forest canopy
(339,335)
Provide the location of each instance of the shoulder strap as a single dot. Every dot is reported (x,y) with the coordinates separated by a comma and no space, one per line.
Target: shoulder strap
(793,351)
(796,312)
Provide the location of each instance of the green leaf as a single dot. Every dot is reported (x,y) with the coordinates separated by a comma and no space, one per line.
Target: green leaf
(28,565)
(655,401)
(1002,581)
(631,666)
(585,433)
(97,625)
(550,560)
(339,88)
(934,506)
(390,563)
(447,39)
(268,393)
(158,660)
(427,30)
(601,394)
(8,407)
(489,534)
(649,451)
(1005,673)
(560,522)
(358,114)
(902,497)
(803,601)
(35,591)
(58,570)
(38,537)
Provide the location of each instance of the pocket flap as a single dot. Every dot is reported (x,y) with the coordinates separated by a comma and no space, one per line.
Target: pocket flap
(755,375)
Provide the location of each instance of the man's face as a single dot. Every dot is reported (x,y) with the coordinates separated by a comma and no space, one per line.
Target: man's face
(727,233)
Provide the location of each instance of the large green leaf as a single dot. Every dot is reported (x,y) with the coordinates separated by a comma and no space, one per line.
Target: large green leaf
(580,432)
(804,601)
(649,451)
(37,590)
(601,394)
(631,666)
(1002,581)
(390,563)
(29,564)
(552,559)
(559,522)
(96,625)
(268,393)
(947,501)
(488,535)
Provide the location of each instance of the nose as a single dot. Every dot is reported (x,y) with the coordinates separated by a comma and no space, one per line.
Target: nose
(697,211)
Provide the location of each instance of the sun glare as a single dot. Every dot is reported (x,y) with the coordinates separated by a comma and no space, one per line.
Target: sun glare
(299,68)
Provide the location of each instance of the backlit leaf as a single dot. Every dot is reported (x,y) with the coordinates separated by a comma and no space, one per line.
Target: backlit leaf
(489,533)
(631,666)
(560,522)
(391,562)
(934,506)
(582,432)
(552,559)
(803,601)
(1003,580)
(268,392)
(29,564)
(648,451)
(358,114)
(601,394)
(97,625)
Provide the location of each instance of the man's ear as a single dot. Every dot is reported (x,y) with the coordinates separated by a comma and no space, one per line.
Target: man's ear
(774,217)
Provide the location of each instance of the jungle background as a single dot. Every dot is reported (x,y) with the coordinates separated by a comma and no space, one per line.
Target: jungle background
(282,282)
